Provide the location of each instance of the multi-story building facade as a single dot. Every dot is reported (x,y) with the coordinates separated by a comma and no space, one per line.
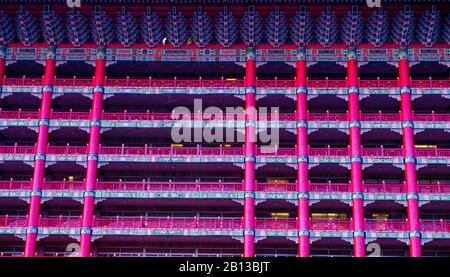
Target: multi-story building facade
(359,157)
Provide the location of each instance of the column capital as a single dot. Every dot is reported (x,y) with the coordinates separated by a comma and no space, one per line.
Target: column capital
(301,53)
(250,53)
(3,50)
(51,52)
(351,53)
(402,53)
(101,52)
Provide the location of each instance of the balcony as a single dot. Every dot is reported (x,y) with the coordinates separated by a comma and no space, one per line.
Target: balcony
(277,117)
(220,83)
(220,223)
(219,186)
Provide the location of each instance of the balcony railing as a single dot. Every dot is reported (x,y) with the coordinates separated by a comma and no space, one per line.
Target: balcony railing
(278,117)
(218,151)
(218,186)
(220,83)
(222,223)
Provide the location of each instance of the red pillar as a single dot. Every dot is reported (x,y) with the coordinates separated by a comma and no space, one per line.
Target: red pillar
(355,153)
(92,159)
(40,154)
(250,153)
(302,154)
(409,153)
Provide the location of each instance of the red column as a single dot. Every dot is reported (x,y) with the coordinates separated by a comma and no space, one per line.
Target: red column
(250,153)
(92,159)
(40,154)
(302,154)
(409,153)
(355,153)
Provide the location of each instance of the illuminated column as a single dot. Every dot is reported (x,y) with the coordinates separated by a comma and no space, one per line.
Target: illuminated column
(40,154)
(92,159)
(355,153)
(250,153)
(409,153)
(302,153)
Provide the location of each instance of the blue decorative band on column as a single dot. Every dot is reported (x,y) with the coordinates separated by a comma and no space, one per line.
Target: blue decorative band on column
(403,53)
(352,89)
(1,89)
(47,88)
(359,233)
(86,231)
(250,90)
(249,194)
(89,193)
(356,159)
(250,158)
(250,123)
(249,231)
(3,51)
(36,192)
(44,122)
(301,54)
(40,156)
(302,123)
(100,89)
(303,195)
(101,52)
(351,53)
(357,195)
(405,89)
(51,52)
(302,159)
(301,90)
(31,230)
(355,123)
(410,159)
(303,233)
(95,122)
(92,157)
(414,234)
(250,53)
(407,123)
(412,195)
